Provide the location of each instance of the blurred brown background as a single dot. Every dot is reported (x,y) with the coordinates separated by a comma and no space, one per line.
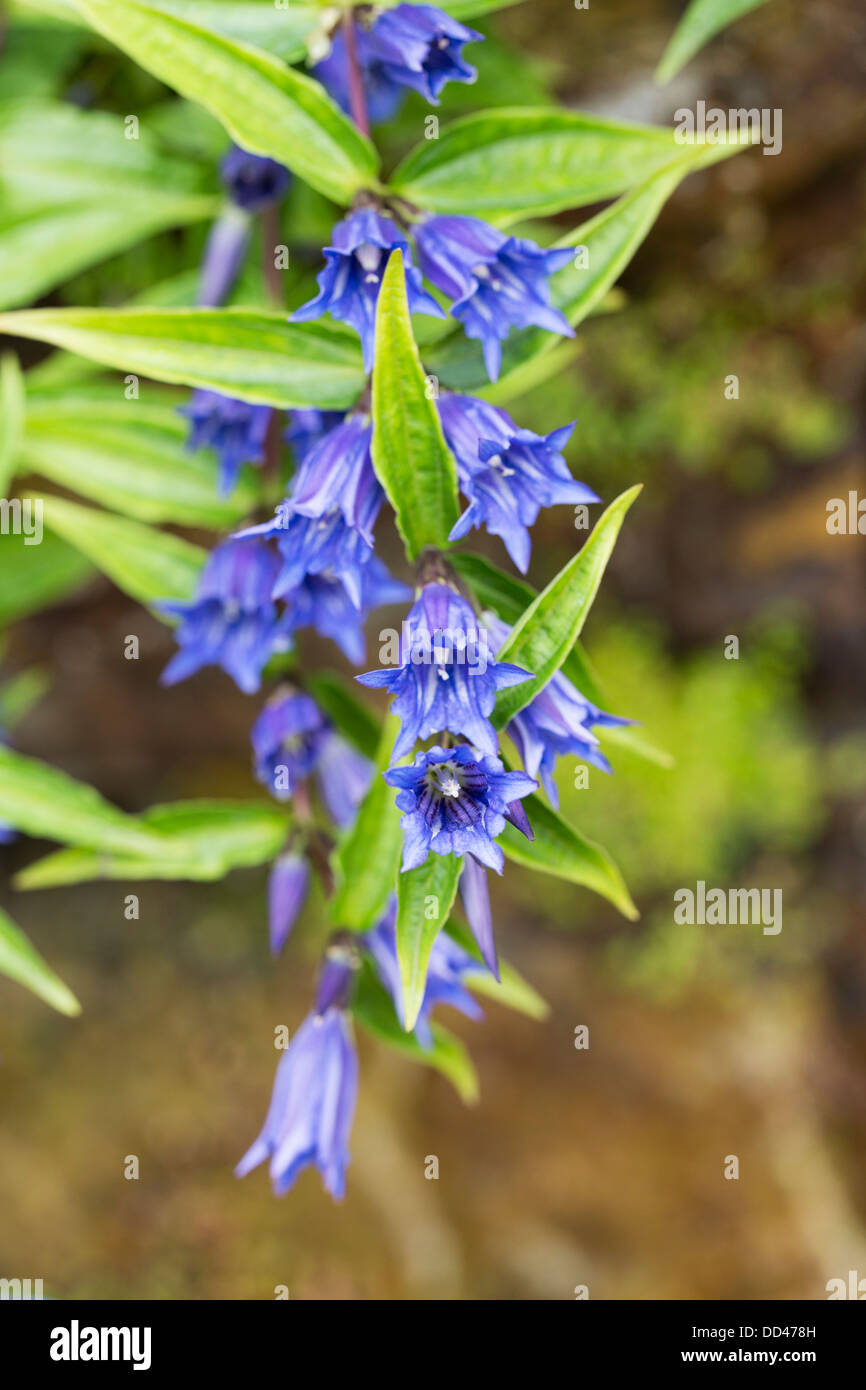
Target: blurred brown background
(602,1167)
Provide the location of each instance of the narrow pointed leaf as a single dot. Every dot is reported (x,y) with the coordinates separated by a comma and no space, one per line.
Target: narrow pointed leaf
(412,461)
(374,1010)
(11,415)
(267,107)
(560,850)
(366,860)
(701,22)
(20,961)
(542,638)
(243,353)
(425,897)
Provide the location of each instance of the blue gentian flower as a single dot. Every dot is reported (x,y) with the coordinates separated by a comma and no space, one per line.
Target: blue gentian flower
(497,281)
(349,284)
(232,622)
(307,427)
(383,96)
(507,473)
(475,896)
(235,430)
(315,1090)
(448,967)
(447,677)
(558,721)
(291,739)
(287,890)
(253,181)
(456,802)
(326,525)
(322,602)
(421,47)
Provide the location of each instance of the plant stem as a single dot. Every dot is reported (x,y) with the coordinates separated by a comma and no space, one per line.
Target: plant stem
(357,97)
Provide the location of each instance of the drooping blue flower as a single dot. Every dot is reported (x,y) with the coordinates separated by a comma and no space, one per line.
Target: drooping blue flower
(321,602)
(456,802)
(497,281)
(507,473)
(326,525)
(448,967)
(558,721)
(235,430)
(315,1090)
(253,181)
(287,889)
(307,427)
(383,96)
(447,677)
(232,622)
(349,285)
(292,739)
(421,47)
(475,896)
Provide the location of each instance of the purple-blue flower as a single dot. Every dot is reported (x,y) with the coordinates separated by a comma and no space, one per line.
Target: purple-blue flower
(456,802)
(326,525)
(421,47)
(321,602)
(307,427)
(383,96)
(447,677)
(497,281)
(235,430)
(349,284)
(315,1089)
(507,473)
(253,181)
(287,889)
(232,622)
(448,967)
(291,739)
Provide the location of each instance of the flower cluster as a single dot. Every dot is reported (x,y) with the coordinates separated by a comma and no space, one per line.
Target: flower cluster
(312,563)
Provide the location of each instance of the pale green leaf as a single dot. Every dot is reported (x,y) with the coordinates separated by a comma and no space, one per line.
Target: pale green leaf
(560,850)
(11,415)
(23,963)
(425,896)
(701,22)
(410,456)
(366,859)
(250,355)
(267,107)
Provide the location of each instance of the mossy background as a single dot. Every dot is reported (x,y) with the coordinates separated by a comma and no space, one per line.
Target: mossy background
(601,1167)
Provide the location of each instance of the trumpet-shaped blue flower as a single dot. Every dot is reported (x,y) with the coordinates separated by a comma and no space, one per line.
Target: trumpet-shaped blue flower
(457,802)
(291,739)
(497,281)
(235,430)
(232,622)
(383,96)
(322,602)
(349,285)
(287,889)
(507,473)
(253,181)
(447,677)
(420,46)
(315,1090)
(307,427)
(449,965)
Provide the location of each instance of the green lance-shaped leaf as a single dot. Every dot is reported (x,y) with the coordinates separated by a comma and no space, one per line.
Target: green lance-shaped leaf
(209,838)
(544,636)
(253,356)
(367,858)
(76,191)
(265,106)
(410,456)
(130,456)
(518,162)
(701,22)
(374,1010)
(508,597)
(560,850)
(23,963)
(147,564)
(47,803)
(425,897)
(11,415)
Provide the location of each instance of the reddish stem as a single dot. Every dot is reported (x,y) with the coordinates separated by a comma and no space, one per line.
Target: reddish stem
(357,96)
